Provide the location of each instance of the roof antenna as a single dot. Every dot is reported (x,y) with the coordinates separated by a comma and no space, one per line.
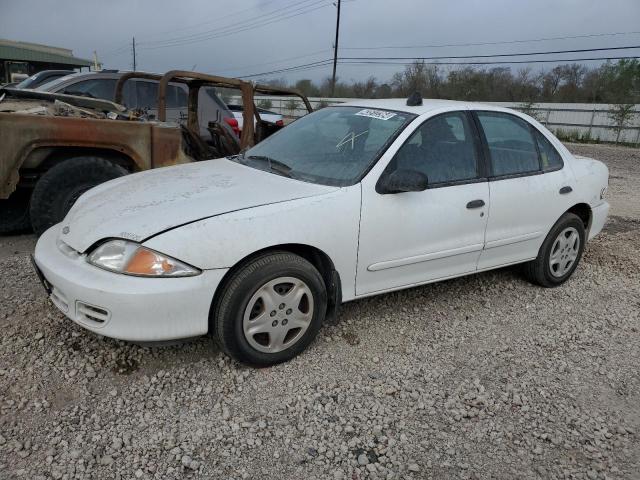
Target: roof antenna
(414,100)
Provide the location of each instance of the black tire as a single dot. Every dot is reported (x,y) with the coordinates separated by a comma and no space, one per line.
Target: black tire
(538,271)
(59,188)
(14,213)
(226,322)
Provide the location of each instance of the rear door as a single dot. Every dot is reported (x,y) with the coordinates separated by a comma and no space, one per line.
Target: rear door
(526,177)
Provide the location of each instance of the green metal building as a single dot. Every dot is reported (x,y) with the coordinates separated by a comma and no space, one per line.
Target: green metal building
(19,60)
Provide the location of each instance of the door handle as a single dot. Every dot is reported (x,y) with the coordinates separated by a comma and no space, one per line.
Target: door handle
(475,204)
(565,190)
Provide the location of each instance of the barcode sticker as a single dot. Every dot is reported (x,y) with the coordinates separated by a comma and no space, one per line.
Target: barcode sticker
(379,114)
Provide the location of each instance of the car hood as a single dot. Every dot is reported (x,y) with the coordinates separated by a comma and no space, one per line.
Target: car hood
(141,205)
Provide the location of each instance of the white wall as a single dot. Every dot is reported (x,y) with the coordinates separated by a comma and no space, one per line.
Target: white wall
(583,118)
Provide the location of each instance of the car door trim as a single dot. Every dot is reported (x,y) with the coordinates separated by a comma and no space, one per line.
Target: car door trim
(425,257)
(438,279)
(511,240)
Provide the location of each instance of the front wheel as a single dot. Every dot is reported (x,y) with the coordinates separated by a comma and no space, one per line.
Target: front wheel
(560,253)
(270,310)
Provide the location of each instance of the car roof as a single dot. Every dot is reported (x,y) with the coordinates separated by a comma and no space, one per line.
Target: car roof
(77,75)
(400,105)
(43,73)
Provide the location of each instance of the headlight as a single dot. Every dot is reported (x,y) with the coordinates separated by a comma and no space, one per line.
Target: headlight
(131,258)
(603,193)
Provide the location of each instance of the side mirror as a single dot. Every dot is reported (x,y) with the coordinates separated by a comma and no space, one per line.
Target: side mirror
(400,181)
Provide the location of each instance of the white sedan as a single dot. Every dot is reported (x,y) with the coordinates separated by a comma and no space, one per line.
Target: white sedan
(350,201)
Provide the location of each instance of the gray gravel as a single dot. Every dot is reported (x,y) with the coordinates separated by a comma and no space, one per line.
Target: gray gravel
(474,378)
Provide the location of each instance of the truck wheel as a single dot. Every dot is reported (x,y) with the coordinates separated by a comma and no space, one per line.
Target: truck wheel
(14,213)
(60,187)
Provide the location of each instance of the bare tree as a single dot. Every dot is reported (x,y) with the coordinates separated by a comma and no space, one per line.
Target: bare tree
(365,89)
(615,83)
(551,82)
(529,108)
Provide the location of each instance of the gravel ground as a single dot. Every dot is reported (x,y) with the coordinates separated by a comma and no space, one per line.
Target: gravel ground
(480,377)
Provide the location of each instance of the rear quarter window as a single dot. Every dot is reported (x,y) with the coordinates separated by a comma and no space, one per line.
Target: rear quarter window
(549,156)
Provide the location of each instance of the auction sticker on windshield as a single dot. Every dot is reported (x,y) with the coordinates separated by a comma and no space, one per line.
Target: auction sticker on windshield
(379,114)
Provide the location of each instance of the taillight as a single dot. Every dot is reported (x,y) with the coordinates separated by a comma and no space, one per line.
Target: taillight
(280,123)
(233,123)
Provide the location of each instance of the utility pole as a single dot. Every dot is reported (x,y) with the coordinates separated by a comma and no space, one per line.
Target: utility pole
(134,54)
(335,52)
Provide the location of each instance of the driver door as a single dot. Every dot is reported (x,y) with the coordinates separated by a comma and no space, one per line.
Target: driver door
(416,237)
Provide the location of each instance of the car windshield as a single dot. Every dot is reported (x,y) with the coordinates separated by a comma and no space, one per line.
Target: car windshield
(27,82)
(333,146)
(35,80)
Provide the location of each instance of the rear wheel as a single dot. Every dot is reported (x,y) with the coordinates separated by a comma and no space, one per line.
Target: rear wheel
(560,253)
(60,187)
(14,212)
(270,310)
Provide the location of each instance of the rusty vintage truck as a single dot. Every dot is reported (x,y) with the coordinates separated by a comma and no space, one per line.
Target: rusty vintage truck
(54,147)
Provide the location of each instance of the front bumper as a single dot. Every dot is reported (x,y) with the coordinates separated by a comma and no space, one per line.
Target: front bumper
(598,219)
(124,306)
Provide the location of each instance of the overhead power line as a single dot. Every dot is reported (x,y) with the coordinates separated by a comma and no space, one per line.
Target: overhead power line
(502,42)
(250,23)
(275,62)
(304,66)
(327,62)
(502,62)
(125,46)
(210,21)
(520,54)
(296,4)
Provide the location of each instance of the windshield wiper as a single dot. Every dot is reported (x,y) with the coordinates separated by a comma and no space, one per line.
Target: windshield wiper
(274,165)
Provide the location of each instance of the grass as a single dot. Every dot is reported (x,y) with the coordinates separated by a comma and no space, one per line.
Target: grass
(574,136)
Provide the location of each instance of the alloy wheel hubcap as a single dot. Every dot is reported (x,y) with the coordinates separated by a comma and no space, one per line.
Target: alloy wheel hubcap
(278,314)
(564,251)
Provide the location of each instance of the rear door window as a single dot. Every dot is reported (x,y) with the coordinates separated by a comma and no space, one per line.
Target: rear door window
(512,147)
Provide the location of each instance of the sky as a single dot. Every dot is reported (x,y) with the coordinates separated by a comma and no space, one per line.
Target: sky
(256,36)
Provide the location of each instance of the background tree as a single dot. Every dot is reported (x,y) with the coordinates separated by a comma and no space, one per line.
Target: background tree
(617,83)
(307,87)
(265,103)
(621,116)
